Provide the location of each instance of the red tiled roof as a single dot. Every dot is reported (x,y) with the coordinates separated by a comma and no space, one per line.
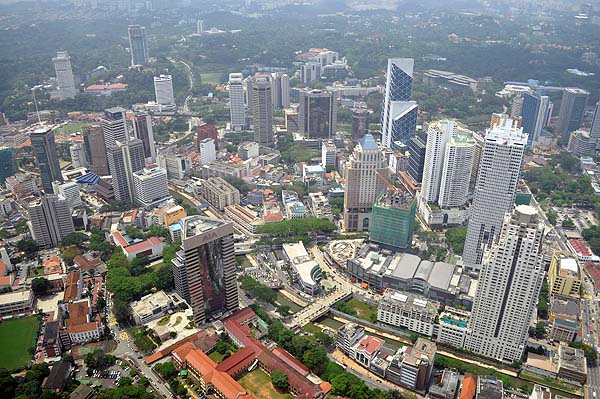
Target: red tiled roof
(273,217)
(4,279)
(72,286)
(581,247)
(239,360)
(114,86)
(86,262)
(119,239)
(291,361)
(370,344)
(469,386)
(142,246)
(52,265)
(79,313)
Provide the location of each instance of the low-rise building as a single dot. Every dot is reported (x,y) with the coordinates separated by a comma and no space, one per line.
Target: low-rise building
(219,193)
(447,386)
(453,326)
(409,311)
(319,206)
(564,275)
(412,367)
(571,364)
(81,324)
(564,318)
(348,335)
(294,208)
(304,269)
(152,247)
(151,307)
(16,302)
(489,388)
(245,217)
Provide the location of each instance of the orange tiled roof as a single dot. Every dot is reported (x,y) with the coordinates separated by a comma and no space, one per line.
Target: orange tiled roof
(469,386)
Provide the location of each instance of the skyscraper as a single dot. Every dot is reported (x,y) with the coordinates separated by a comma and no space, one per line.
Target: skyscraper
(595,128)
(438,135)
(508,289)
(497,179)
(142,129)
(150,186)
(317,114)
(163,90)
(95,147)
(44,148)
(7,164)
(393,219)
(137,45)
(49,220)
(262,111)
(281,90)
(236,102)
(114,126)
(416,160)
(572,110)
(64,75)
(535,112)
(124,159)
(78,155)
(403,123)
(366,174)
(360,124)
(398,89)
(204,268)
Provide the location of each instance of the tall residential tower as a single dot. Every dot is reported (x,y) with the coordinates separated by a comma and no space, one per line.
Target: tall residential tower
(236,102)
(64,75)
(137,45)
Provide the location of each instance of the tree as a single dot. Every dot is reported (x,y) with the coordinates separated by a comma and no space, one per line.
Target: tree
(552,216)
(75,238)
(69,253)
(127,391)
(455,237)
(590,352)
(40,286)
(540,330)
(279,379)
(98,359)
(138,265)
(100,304)
(346,308)
(341,383)
(568,223)
(167,370)
(165,277)
(324,339)
(121,310)
(29,247)
(315,359)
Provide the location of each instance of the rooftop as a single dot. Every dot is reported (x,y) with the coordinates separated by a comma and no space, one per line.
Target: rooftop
(409,301)
(15,297)
(569,267)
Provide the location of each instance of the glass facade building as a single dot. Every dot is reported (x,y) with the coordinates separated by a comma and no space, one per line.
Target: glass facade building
(393,219)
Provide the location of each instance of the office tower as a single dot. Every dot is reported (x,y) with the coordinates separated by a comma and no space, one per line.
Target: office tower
(516,108)
(281,90)
(163,90)
(247,84)
(396,102)
(438,135)
(262,111)
(310,72)
(70,191)
(124,159)
(508,289)
(199,26)
(150,186)
(416,159)
(393,219)
(64,75)
(366,174)
(535,112)
(360,124)
(207,151)
(137,45)
(95,147)
(328,154)
(78,155)
(142,129)
(581,144)
(328,57)
(49,220)
(7,164)
(114,126)
(44,148)
(572,110)
(456,175)
(595,128)
(207,131)
(237,114)
(204,268)
(497,179)
(317,114)
(176,165)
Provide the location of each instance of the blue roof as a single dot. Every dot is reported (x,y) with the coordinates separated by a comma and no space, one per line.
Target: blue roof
(88,178)
(368,142)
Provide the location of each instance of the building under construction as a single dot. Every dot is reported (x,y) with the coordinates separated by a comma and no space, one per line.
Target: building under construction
(393,219)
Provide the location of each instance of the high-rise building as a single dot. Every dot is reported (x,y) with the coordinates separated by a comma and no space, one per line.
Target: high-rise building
(114,126)
(366,173)
(438,135)
(360,123)
(317,114)
(137,45)
(204,268)
(236,102)
(124,159)
(456,175)
(508,289)
(595,128)
(535,112)
(95,147)
(142,129)
(70,191)
(150,186)
(7,164)
(44,148)
(199,26)
(416,161)
(281,90)
(176,165)
(403,123)
(393,219)
(78,155)
(207,151)
(49,220)
(328,154)
(163,90)
(398,89)
(207,131)
(310,72)
(572,110)
(581,144)
(64,75)
(497,179)
(262,111)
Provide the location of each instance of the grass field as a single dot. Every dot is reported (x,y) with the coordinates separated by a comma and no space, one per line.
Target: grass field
(217,357)
(259,384)
(312,328)
(70,128)
(18,336)
(363,310)
(211,78)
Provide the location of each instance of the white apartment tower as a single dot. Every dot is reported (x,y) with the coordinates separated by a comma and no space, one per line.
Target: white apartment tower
(64,75)
(49,220)
(124,159)
(456,175)
(366,172)
(438,136)
(163,89)
(208,152)
(236,102)
(509,285)
(497,179)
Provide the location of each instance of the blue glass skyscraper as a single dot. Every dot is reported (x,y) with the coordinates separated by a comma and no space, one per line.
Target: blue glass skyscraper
(535,115)
(398,111)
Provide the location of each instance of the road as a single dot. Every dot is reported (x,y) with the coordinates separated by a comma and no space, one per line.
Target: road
(185,107)
(559,234)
